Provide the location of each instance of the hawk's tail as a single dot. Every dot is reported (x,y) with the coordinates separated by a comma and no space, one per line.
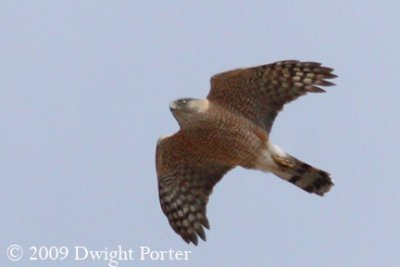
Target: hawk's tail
(303,175)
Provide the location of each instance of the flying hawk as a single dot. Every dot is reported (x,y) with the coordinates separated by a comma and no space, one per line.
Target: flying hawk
(231,128)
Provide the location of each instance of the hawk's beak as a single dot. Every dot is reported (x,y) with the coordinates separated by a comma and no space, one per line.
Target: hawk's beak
(172,106)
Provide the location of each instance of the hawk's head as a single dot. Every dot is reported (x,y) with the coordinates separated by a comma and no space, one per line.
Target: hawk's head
(187,110)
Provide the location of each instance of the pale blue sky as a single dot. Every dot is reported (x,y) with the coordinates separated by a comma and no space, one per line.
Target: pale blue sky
(84,93)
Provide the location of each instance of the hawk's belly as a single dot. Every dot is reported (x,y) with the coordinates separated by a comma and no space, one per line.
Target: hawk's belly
(230,143)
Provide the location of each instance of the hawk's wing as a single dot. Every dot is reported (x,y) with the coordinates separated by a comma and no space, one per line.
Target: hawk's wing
(185,181)
(259,93)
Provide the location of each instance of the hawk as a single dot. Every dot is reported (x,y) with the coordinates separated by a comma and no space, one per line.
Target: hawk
(231,128)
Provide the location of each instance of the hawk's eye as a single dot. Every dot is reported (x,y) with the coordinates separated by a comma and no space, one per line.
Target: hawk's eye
(184,100)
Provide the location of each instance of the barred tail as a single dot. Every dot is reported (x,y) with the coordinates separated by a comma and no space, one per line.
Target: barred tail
(301,174)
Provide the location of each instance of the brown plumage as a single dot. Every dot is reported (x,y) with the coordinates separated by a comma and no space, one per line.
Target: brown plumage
(231,128)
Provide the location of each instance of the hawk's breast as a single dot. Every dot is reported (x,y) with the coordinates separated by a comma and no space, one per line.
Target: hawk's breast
(227,138)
